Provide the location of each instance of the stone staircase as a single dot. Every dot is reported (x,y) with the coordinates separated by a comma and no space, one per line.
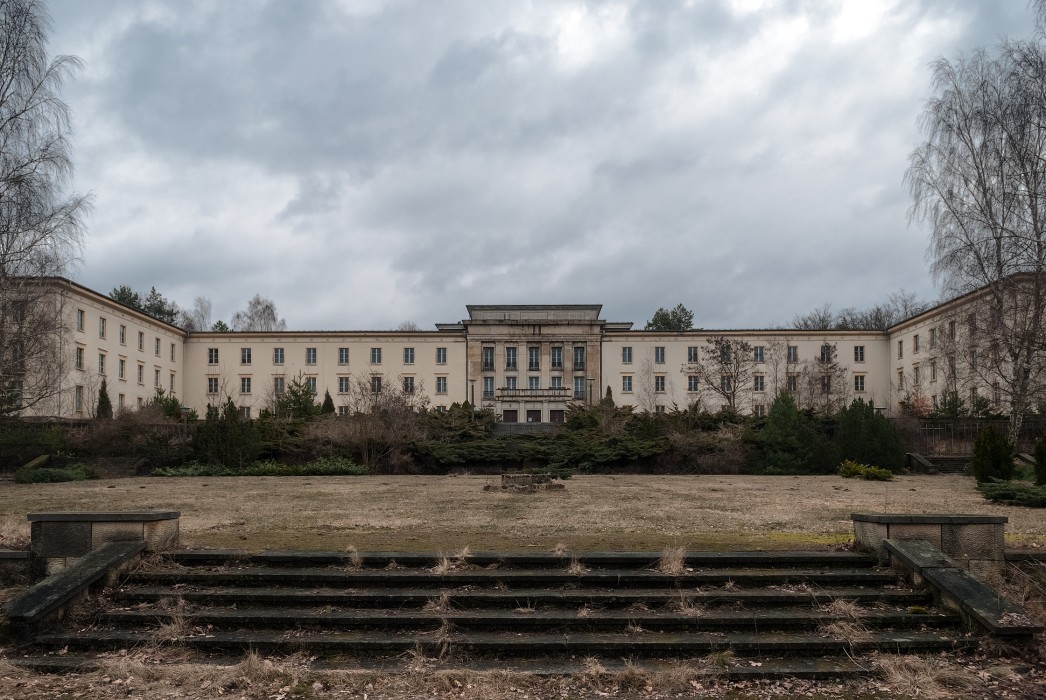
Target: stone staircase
(754,614)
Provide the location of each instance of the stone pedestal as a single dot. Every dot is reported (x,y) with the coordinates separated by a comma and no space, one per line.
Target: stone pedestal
(974,542)
(58,538)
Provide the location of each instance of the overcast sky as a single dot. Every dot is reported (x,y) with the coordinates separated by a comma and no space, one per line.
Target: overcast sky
(368,162)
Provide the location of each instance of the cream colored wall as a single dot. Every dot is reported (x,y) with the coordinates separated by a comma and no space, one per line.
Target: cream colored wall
(676,369)
(229,371)
(90,340)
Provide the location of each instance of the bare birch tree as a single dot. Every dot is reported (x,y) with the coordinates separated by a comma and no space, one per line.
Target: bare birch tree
(41,228)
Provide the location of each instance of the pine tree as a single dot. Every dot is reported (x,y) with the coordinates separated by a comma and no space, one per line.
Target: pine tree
(328,403)
(105,406)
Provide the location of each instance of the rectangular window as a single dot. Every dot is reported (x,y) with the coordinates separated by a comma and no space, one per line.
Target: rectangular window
(441,356)
(659,355)
(659,383)
(245,356)
(120,400)
(934,400)
(488,387)
(626,384)
(827,354)
(933,338)
(375,356)
(156,378)
(659,409)
(80,323)
(79,399)
(826,383)
(343,410)
(141,341)
(973,360)
(557,357)
(916,374)
(726,383)
(915,343)
(343,356)
(343,385)
(141,374)
(101,364)
(996,394)
(534,357)
(900,349)
(122,368)
(951,330)
(693,383)
(245,385)
(212,356)
(626,355)
(101,327)
(310,384)
(792,382)
(310,355)
(408,385)
(441,385)
(579,357)
(757,354)
(172,352)
(156,347)
(933,370)
(557,382)
(951,366)
(758,382)
(759,410)
(579,387)
(123,334)
(170,385)
(487,358)
(375,385)
(79,358)
(858,383)
(408,356)
(510,383)
(278,386)
(793,354)
(858,353)
(900,378)
(245,412)
(535,382)
(691,354)
(510,357)
(277,356)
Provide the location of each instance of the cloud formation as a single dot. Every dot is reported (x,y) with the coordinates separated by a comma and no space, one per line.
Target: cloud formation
(368,162)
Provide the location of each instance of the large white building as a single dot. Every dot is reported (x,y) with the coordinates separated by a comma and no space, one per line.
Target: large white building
(527,363)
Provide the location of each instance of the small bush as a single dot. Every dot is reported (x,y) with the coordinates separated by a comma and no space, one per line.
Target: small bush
(326,466)
(53,475)
(1040,461)
(1014,493)
(992,456)
(850,469)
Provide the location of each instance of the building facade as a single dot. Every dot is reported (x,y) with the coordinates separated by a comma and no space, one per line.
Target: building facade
(527,363)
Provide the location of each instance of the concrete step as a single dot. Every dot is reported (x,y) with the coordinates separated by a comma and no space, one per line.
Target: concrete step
(646,644)
(513,578)
(547,560)
(495,598)
(817,668)
(528,619)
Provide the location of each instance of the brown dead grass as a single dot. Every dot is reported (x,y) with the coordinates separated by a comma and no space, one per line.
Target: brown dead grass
(14,533)
(624,512)
(925,677)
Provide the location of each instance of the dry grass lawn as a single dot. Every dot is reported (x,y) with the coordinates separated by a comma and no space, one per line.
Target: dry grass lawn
(448,513)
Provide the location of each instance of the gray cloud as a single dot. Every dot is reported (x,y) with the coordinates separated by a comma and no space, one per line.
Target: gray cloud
(363,164)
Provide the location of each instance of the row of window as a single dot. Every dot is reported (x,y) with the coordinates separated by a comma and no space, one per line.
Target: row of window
(278,356)
(279,385)
(758,354)
(533,358)
(102,326)
(971,322)
(121,372)
(693,383)
(533,384)
(121,400)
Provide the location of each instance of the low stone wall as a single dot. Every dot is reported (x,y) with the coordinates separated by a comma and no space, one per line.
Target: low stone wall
(60,538)
(974,542)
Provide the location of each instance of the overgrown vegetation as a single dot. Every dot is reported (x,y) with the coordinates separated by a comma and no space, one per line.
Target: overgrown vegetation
(325,466)
(850,469)
(1014,493)
(51,475)
(992,456)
